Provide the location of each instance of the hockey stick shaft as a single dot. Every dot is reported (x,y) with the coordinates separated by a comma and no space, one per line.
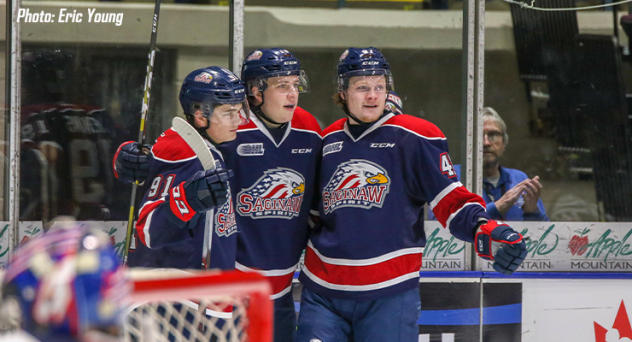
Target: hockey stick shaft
(195,141)
(143,118)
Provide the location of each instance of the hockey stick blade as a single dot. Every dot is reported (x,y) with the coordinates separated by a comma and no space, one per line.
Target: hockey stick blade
(195,142)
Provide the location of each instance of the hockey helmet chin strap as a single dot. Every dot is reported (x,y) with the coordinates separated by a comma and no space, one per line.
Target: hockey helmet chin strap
(202,131)
(345,108)
(260,114)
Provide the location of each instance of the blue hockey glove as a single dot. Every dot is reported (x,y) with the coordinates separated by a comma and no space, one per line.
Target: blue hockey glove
(206,190)
(131,163)
(511,252)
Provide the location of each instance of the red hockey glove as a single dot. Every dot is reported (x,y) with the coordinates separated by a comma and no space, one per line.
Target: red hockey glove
(512,249)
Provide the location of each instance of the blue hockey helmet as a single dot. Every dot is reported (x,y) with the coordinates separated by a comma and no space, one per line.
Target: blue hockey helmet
(362,62)
(206,88)
(66,285)
(262,64)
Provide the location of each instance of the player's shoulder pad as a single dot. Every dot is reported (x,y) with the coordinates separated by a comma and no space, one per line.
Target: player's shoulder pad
(338,125)
(249,125)
(171,148)
(303,119)
(415,125)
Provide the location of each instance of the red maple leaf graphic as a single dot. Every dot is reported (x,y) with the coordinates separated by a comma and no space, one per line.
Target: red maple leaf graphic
(621,323)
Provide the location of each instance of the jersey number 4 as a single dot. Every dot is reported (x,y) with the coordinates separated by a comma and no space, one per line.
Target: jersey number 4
(446,165)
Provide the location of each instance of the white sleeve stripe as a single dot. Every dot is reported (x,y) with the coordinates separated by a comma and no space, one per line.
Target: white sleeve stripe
(282,293)
(365,262)
(306,130)
(415,133)
(340,130)
(444,193)
(173,161)
(314,212)
(447,224)
(148,221)
(266,273)
(146,229)
(150,202)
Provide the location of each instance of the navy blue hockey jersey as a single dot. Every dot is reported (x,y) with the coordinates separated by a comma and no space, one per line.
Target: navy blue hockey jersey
(373,190)
(66,151)
(273,189)
(166,240)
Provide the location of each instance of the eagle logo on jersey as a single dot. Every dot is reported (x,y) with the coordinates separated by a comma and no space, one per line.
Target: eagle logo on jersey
(357,183)
(225,223)
(277,194)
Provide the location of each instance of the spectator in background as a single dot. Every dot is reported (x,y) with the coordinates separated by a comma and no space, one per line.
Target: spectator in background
(509,193)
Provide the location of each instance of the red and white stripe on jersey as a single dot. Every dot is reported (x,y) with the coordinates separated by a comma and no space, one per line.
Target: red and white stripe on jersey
(451,200)
(171,148)
(338,125)
(362,274)
(420,127)
(143,224)
(303,120)
(280,280)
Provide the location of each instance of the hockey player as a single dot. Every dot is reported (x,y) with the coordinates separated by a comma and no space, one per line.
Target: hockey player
(181,199)
(66,146)
(275,157)
(378,169)
(279,149)
(278,152)
(66,285)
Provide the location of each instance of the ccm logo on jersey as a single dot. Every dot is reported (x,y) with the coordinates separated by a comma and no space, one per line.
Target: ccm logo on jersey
(332,148)
(246,150)
(301,150)
(382,145)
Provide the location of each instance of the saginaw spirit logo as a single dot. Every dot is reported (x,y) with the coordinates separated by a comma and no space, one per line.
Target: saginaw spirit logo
(225,219)
(621,329)
(278,193)
(356,183)
(204,77)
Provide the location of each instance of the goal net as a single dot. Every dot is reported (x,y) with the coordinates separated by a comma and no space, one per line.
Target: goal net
(175,305)
(178,306)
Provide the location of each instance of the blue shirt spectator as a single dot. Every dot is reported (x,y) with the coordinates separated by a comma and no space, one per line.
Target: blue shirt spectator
(509,193)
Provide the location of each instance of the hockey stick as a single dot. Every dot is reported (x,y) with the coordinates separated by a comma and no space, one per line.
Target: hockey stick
(197,144)
(143,117)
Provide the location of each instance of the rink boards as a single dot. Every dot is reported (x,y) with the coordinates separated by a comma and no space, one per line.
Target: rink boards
(572,287)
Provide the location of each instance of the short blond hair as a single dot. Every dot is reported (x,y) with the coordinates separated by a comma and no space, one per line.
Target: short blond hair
(490,114)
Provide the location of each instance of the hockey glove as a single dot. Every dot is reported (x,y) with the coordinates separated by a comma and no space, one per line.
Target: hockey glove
(206,190)
(131,163)
(511,247)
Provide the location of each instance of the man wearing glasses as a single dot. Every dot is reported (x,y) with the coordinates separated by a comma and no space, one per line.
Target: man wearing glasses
(510,194)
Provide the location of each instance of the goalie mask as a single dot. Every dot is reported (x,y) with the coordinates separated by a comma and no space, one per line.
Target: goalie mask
(211,88)
(66,285)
